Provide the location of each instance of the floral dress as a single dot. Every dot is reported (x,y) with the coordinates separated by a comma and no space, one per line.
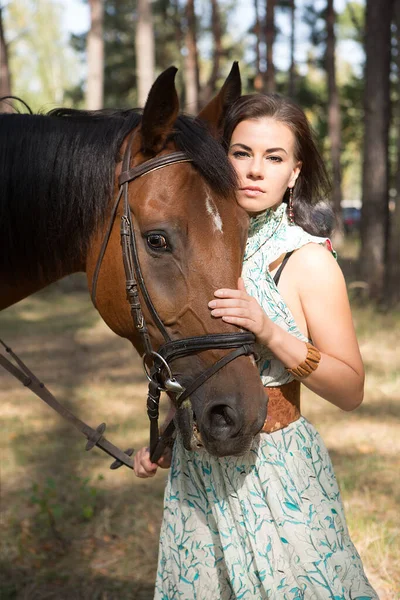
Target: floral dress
(269,524)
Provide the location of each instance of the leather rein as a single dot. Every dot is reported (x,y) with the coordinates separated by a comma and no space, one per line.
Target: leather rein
(157,364)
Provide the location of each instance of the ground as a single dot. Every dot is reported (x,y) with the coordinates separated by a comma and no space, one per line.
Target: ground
(72,529)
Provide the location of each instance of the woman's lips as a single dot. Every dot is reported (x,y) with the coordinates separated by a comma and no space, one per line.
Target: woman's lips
(252,192)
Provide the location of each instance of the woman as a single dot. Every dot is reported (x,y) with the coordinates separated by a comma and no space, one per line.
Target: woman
(270,524)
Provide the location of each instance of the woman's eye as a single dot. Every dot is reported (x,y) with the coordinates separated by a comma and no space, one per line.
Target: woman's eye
(157,241)
(275,159)
(240,154)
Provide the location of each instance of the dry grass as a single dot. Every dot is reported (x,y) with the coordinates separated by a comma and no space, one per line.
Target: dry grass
(71,529)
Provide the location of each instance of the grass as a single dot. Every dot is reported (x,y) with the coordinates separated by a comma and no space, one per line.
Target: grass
(71,529)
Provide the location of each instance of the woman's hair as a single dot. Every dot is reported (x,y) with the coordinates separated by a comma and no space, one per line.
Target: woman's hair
(311,209)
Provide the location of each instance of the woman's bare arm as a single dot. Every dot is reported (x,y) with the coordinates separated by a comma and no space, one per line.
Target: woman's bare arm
(319,286)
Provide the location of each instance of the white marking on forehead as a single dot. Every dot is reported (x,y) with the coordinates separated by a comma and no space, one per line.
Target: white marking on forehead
(213,211)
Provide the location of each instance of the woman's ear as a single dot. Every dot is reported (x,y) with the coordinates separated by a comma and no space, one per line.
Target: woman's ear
(295,174)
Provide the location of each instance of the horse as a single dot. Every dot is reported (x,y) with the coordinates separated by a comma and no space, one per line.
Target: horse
(76,185)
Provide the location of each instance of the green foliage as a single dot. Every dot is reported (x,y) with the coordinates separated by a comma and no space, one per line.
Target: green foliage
(351,22)
(54,504)
(169,31)
(41,66)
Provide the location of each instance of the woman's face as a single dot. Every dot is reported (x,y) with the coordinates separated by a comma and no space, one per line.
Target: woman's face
(262,153)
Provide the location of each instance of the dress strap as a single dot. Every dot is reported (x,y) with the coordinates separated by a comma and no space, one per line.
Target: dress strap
(281,267)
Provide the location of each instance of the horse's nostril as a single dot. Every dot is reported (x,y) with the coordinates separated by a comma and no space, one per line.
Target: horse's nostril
(222,418)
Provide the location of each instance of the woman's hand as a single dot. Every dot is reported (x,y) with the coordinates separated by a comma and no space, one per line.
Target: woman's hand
(143,466)
(241,309)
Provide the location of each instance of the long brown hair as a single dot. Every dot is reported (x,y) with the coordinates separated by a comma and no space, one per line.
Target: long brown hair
(310,193)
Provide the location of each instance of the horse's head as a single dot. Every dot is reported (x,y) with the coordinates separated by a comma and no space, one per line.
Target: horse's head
(189,237)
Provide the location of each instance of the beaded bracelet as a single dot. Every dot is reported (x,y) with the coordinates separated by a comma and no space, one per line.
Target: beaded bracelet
(309,365)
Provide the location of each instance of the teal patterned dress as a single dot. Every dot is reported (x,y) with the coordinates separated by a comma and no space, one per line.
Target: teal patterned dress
(269,524)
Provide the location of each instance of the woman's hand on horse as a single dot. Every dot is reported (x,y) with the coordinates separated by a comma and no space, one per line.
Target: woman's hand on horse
(241,309)
(143,467)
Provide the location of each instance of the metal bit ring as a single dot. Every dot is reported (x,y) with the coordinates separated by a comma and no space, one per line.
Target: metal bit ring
(164,362)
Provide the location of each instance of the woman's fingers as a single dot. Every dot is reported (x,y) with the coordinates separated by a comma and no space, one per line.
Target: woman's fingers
(142,464)
(165,461)
(228,302)
(243,322)
(233,311)
(227,293)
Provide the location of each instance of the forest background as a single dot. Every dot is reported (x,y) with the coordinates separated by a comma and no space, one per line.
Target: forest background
(95,536)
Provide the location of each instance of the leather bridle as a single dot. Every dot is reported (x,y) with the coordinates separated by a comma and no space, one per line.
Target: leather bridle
(159,372)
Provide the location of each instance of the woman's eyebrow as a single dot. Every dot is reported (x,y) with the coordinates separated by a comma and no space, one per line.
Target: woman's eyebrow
(276,150)
(267,151)
(242,146)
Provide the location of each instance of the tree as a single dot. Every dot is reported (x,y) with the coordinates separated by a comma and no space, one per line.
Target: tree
(392,272)
(292,69)
(95,57)
(269,80)
(5,79)
(216,28)
(192,72)
(374,215)
(258,80)
(41,63)
(145,51)
(334,118)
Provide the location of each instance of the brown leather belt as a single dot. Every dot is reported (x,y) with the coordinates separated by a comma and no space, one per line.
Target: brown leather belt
(283,406)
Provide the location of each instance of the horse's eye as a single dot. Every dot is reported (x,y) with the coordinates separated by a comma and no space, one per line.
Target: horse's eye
(157,241)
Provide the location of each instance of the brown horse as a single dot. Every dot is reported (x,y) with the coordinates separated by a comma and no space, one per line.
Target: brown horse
(59,177)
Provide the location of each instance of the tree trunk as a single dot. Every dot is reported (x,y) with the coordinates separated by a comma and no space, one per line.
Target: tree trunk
(210,88)
(95,57)
(374,214)
(392,271)
(5,78)
(192,78)
(145,50)
(292,69)
(270,85)
(334,121)
(258,80)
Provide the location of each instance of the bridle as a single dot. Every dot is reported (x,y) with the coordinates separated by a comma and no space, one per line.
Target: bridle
(160,374)
(159,371)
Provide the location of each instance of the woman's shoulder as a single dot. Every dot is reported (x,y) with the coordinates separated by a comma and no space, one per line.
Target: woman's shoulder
(315,267)
(315,252)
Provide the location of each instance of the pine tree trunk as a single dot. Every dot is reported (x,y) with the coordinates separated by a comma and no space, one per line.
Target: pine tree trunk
(292,69)
(178,24)
(5,78)
(210,88)
(374,214)
(258,80)
(192,78)
(145,50)
(270,84)
(95,57)
(392,272)
(334,121)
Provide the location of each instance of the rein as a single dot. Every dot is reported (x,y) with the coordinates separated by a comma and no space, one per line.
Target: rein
(160,374)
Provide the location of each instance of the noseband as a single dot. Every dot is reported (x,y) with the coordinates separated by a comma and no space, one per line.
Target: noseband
(157,364)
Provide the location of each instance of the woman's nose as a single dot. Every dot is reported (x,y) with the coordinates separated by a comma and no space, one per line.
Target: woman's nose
(256,169)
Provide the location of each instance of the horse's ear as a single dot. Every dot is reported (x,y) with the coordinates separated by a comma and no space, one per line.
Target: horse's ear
(213,113)
(160,112)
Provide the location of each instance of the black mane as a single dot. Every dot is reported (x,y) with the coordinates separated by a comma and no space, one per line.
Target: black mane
(57,179)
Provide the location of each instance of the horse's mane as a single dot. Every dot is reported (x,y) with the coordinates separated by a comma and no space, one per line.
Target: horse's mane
(57,178)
